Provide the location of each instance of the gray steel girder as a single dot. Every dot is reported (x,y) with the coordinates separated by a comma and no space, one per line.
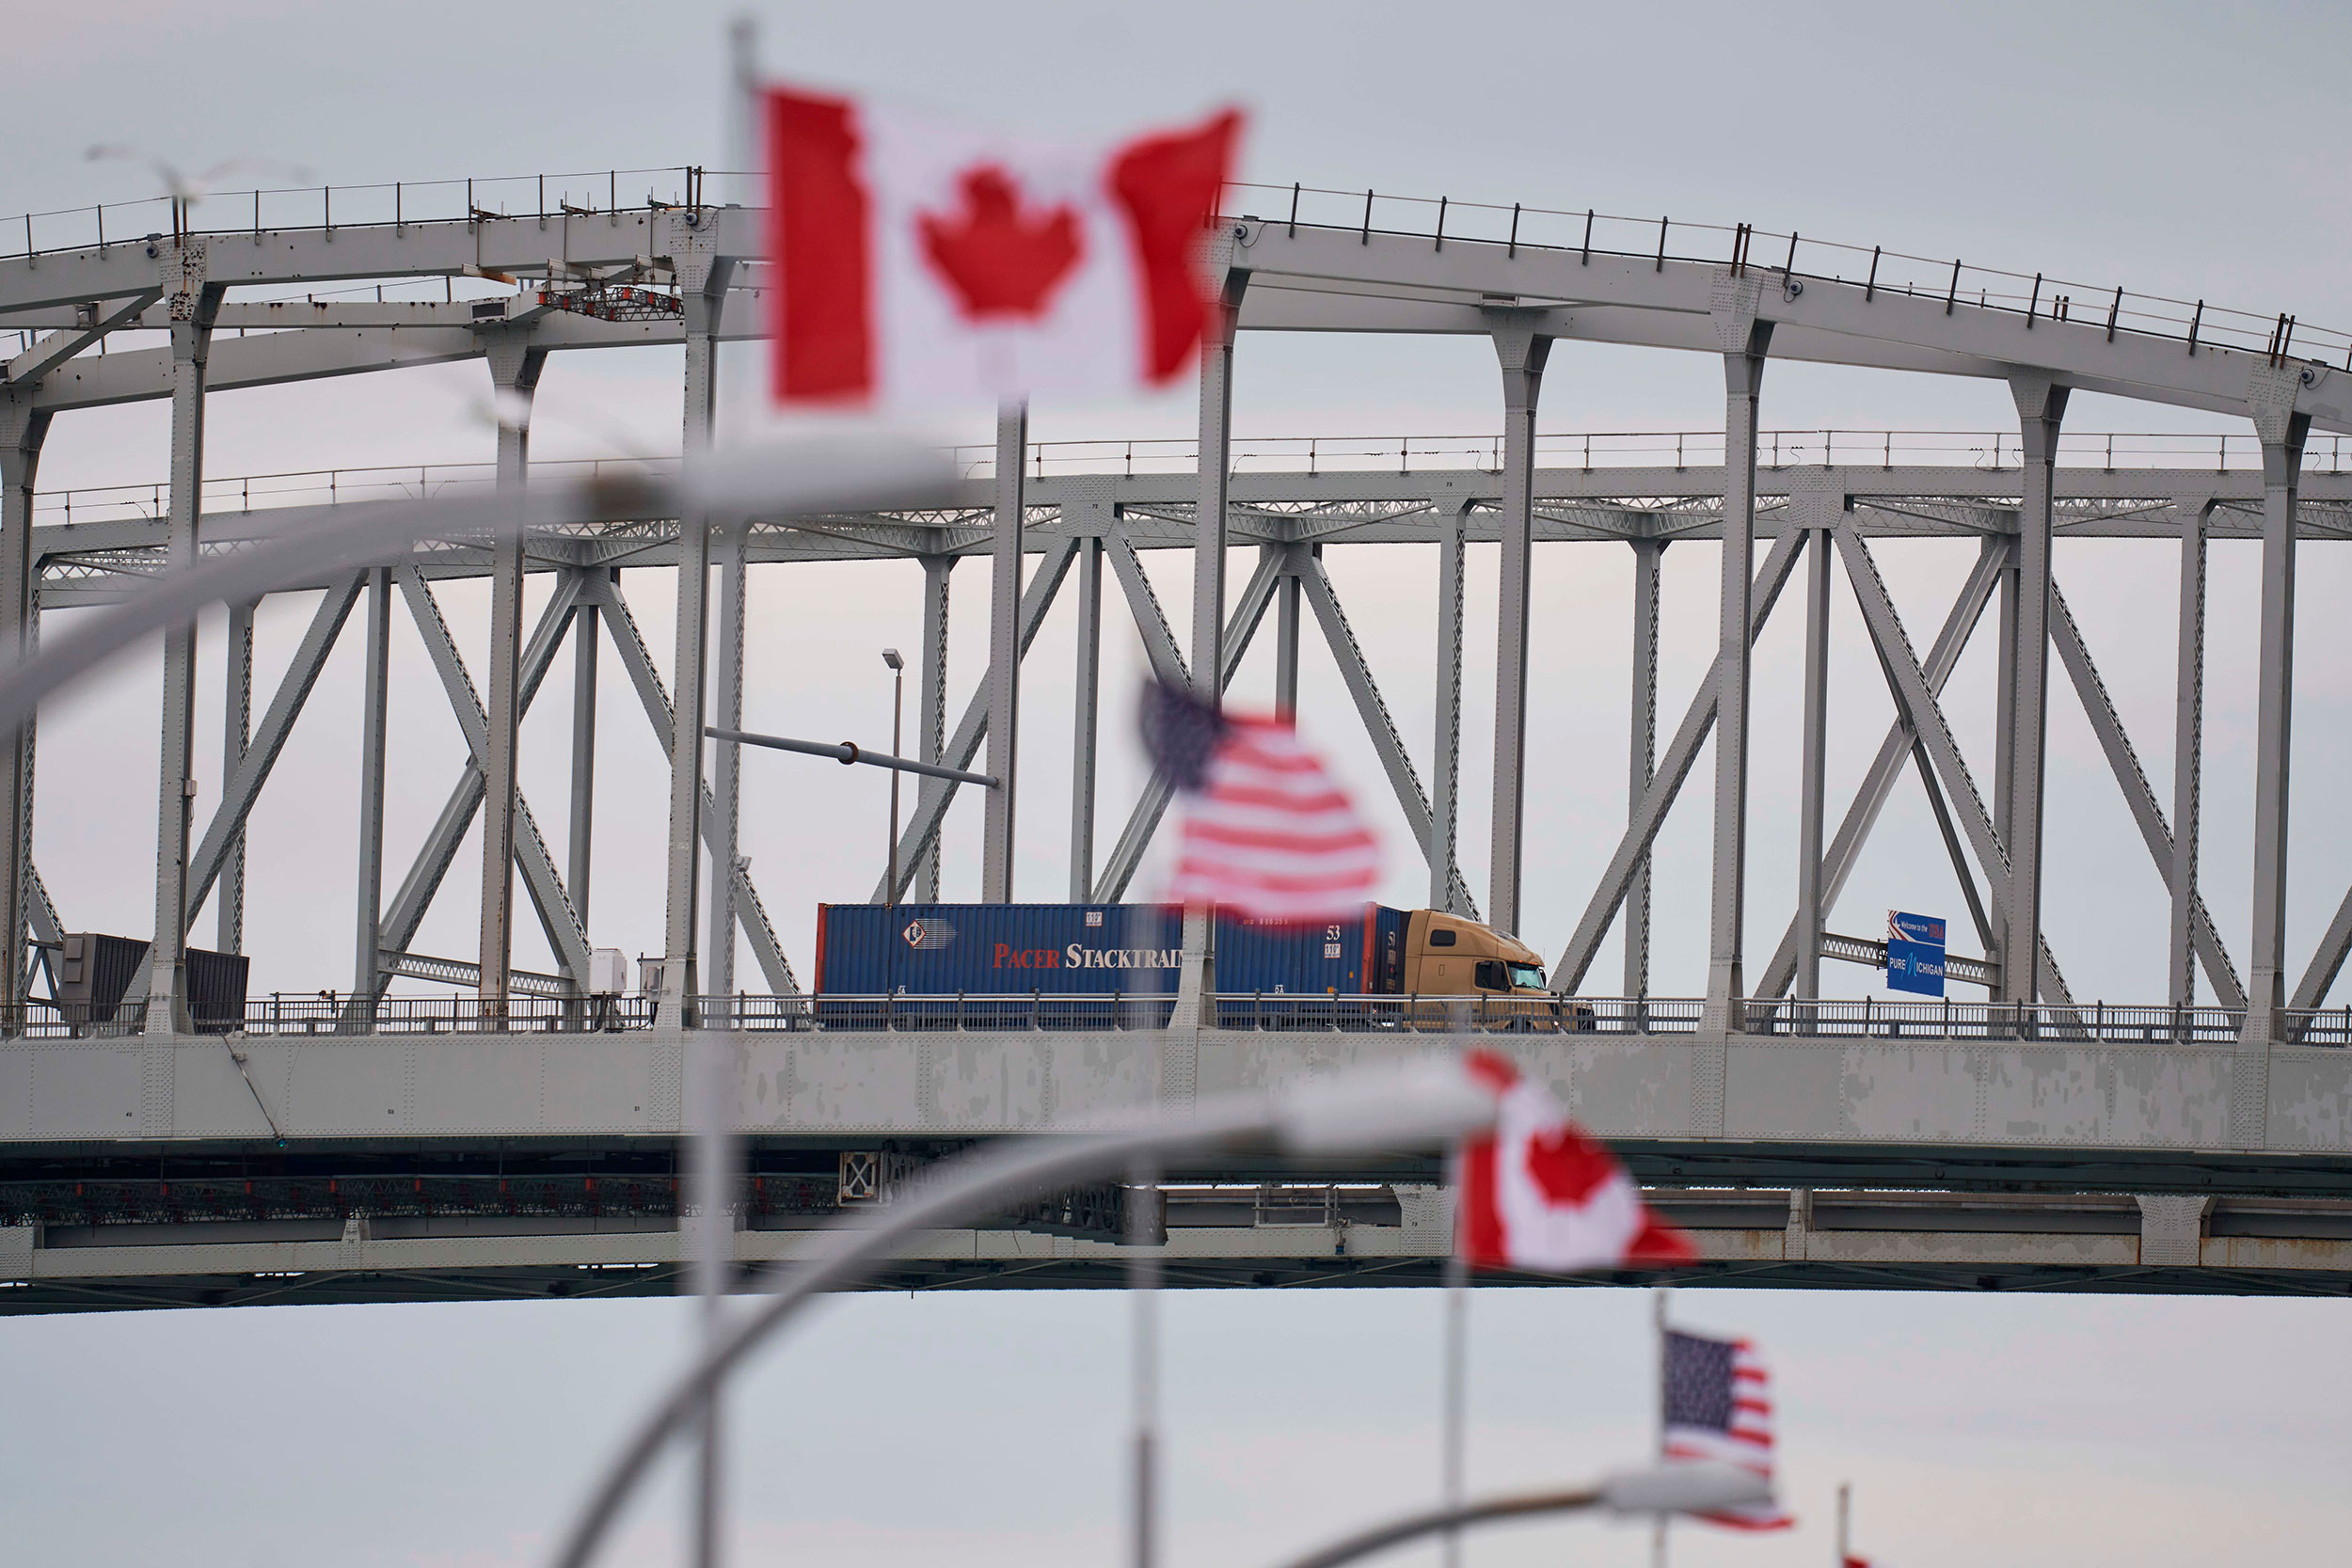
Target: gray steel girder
(2139,794)
(1659,799)
(1308,277)
(1370,706)
(252,771)
(1919,706)
(1144,821)
(531,855)
(750,914)
(933,799)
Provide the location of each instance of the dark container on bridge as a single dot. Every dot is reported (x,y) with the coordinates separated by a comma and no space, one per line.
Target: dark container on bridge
(1085,949)
(216,983)
(96,972)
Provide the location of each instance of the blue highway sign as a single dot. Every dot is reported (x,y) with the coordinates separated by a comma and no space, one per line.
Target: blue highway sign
(1914,954)
(1914,927)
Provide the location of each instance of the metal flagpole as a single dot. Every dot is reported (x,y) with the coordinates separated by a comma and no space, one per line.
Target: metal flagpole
(1453,1420)
(710,1056)
(1143,1289)
(1658,1324)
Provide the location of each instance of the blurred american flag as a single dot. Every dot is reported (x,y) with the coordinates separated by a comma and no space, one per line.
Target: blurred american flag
(1267,832)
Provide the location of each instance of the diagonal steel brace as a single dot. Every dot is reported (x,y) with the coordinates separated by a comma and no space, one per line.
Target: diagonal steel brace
(2124,762)
(556,914)
(1410,797)
(1144,821)
(750,914)
(1674,767)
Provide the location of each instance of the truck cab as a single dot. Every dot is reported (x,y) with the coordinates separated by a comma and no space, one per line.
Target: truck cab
(1446,955)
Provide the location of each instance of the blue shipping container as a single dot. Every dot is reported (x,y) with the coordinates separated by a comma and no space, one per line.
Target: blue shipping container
(1080,949)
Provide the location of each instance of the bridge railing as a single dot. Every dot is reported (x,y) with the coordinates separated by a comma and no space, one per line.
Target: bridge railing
(49,1021)
(327,1013)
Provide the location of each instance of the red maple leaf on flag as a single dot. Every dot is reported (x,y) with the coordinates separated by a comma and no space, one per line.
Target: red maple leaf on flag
(999,261)
(1568,1166)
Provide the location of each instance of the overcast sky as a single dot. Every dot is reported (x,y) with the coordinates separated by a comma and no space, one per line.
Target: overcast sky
(2172,148)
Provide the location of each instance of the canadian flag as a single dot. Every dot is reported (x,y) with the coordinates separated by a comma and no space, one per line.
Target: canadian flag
(931,264)
(1536,1193)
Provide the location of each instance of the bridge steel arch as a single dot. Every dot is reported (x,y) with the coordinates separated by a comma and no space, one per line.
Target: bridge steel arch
(2245,1100)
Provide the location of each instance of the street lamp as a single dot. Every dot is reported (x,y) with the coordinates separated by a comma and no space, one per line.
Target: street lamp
(1410,1104)
(898,711)
(1675,1486)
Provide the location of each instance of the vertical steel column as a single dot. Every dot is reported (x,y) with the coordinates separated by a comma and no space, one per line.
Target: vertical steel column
(1745,341)
(1814,750)
(22,428)
(515,368)
(2282,433)
(1086,719)
(1286,645)
(2005,745)
(1214,470)
(1642,754)
(931,697)
(1004,653)
(1521,352)
(581,825)
(1195,980)
(1445,772)
(367,963)
(195,302)
(729,544)
(701,288)
(237,734)
(2188,739)
(2040,408)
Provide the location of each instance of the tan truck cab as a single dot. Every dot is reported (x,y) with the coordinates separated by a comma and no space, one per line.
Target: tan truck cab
(1449,956)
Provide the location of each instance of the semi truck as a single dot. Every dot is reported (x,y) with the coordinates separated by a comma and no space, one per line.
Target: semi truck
(918,950)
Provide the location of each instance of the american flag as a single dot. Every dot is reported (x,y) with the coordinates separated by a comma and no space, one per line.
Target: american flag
(1719,1407)
(1267,831)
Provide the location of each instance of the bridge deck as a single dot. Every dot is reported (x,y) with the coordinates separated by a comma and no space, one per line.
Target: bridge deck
(137,1171)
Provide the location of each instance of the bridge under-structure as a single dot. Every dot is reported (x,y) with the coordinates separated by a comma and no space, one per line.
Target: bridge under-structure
(524,1140)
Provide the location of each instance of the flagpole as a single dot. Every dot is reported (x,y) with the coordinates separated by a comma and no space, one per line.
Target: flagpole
(1657,1328)
(1454,1418)
(708,1059)
(1845,1498)
(1145,1234)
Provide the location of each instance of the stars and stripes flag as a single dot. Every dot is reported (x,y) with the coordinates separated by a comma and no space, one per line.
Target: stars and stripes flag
(1719,1406)
(920,261)
(1267,832)
(1538,1193)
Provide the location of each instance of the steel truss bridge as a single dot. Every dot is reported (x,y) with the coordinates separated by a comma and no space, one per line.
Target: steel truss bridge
(523,1140)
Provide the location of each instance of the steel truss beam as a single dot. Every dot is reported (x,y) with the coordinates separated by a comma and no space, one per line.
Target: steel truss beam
(1909,687)
(532,856)
(252,770)
(2139,794)
(932,801)
(1144,820)
(750,914)
(1357,672)
(1900,746)
(1309,278)
(1650,815)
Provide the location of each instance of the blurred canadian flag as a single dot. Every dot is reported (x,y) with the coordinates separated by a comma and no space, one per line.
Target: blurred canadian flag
(923,263)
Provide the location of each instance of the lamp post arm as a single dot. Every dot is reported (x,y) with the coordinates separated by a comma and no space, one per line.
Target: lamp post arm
(1416,1103)
(1675,1486)
(780,479)
(849,752)
(1412,1526)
